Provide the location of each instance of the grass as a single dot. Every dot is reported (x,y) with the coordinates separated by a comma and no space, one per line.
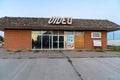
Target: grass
(99,50)
(114,48)
(13,51)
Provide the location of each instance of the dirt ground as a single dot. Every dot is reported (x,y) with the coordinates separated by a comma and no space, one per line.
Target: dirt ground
(32,54)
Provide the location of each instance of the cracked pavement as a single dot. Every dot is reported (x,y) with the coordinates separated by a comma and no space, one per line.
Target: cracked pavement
(60,67)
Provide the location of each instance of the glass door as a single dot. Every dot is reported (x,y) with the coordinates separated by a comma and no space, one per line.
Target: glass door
(61,42)
(55,41)
(45,41)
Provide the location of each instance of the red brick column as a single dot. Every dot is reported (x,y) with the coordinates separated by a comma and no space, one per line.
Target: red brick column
(17,40)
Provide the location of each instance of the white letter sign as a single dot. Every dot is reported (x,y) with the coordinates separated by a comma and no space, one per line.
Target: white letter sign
(60,20)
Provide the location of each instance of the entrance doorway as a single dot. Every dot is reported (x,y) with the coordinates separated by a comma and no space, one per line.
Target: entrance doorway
(61,42)
(55,42)
(46,42)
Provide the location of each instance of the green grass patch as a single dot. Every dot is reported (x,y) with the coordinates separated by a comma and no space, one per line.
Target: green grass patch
(114,48)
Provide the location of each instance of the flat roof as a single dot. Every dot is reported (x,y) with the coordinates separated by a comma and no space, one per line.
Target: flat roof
(42,23)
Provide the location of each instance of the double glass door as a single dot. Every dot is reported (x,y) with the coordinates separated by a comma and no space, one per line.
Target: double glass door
(58,42)
(48,42)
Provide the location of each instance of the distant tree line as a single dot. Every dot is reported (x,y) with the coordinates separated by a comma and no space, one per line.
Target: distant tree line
(1,39)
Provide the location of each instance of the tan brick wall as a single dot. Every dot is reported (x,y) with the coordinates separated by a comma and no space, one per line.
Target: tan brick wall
(89,41)
(17,40)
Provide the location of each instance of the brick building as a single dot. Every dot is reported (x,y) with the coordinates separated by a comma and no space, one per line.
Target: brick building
(24,33)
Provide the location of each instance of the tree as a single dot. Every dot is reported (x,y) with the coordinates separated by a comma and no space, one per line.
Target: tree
(1,39)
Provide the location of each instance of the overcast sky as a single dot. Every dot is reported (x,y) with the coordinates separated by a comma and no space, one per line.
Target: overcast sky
(82,9)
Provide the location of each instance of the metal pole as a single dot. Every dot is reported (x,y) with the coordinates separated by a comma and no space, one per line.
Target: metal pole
(113,35)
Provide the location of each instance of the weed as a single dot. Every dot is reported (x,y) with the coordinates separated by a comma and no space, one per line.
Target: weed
(31,57)
(100,56)
(13,51)
(10,52)
(29,50)
(19,58)
(36,51)
(100,51)
(60,51)
(17,51)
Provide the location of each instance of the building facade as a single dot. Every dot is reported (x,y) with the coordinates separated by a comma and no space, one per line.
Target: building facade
(55,33)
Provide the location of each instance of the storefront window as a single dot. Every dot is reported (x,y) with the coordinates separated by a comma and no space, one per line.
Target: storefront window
(47,40)
(36,41)
(68,32)
(69,41)
(57,40)
(41,39)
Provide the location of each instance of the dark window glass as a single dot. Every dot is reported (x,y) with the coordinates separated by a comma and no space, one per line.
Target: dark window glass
(36,44)
(61,38)
(55,41)
(61,41)
(45,41)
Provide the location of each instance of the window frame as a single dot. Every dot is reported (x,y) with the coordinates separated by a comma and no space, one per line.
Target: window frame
(100,35)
